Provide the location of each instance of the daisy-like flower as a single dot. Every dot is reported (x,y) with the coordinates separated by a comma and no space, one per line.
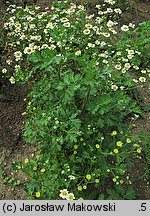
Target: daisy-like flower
(52,47)
(18,54)
(9,61)
(64,194)
(118,66)
(124,70)
(122,87)
(90,45)
(22,37)
(36,48)
(37,7)
(109,10)
(98,7)
(112,2)
(88,25)
(86,31)
(70,196)
(66,24)
(44,46)
(125,28)
(38,37)
(28,50)
(12,80)
(106,34)
(143,71)
(64,19)
(134,80)
(89,16)
(32,37)
(142,79)
(4,70)
(81,7)
(132,25)
(127,66)
(105,61)
(78,53)
(97,42)
(130,56)
(110,23)
(136,67)
(114,87)
(71,177)
(17,67)
(130,52)
(50,25)
(95,28)
(118,10)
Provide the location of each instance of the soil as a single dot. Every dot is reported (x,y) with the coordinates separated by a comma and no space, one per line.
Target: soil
(13,148)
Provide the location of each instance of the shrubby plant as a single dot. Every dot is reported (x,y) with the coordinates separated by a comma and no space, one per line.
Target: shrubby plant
(81,81)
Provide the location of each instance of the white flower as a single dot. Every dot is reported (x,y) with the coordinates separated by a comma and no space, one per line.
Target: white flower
(142,79)
(110,23)
(88,25)
(38,37)
(118,66)
(114,87)
(143,71)
(109,10)
(67,24)
(81,7)
(78,53)
(118,10)
(71,177)
(90,16)
(52,47)
(106,34)
(18,54)
(50,25)
(122,87)
(22,37)
(98,7)
(134,80)
(4,70)
(136,67)
(112,2)
(125,28)
(64,19)
(105,61)
(118,53)
(124,70)
(44,46)
(28,50)
(70,196)
(95,28)
(97,42)
(130,52)
(86,31)
(132,25)
(127,65)
(63,194)
(12,80)
(91,45)
(130,56)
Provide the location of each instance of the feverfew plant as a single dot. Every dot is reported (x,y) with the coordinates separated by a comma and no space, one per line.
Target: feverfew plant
(79,99)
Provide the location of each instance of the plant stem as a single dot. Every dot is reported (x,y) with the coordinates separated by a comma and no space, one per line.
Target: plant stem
(85,101)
